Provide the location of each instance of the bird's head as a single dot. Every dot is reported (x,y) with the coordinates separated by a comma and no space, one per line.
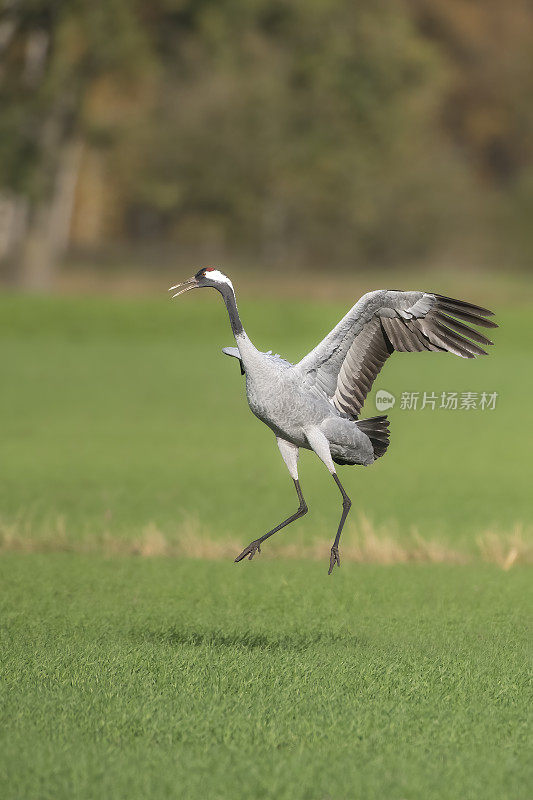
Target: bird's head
(205,278)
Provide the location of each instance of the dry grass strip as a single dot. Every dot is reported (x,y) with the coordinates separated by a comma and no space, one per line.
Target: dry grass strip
(363,543)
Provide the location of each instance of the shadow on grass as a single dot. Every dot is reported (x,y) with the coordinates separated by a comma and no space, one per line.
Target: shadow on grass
(250,640)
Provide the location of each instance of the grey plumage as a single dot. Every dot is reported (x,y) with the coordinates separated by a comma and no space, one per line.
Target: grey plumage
(234,351)
(382,322)
(315,403)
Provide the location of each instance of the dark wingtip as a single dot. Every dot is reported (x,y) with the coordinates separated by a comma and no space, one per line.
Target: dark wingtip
(486,312)
(475,315)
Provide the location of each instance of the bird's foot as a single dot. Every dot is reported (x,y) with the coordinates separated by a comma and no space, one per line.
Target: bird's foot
(334,559)
(250,551)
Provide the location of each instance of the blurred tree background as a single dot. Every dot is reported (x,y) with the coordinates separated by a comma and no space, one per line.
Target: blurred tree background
(272,132)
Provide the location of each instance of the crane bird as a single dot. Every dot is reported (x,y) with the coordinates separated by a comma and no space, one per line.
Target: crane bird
(315,404)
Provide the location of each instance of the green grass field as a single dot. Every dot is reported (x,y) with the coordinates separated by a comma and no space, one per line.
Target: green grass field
(131,677)
(135,678)
(120,414)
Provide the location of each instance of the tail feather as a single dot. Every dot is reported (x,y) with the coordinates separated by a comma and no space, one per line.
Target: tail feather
(377,430)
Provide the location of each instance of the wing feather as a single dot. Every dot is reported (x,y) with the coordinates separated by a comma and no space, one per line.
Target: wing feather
(346,363)
(463,329)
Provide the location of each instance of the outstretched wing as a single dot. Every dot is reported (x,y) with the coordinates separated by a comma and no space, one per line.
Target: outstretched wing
(345,364)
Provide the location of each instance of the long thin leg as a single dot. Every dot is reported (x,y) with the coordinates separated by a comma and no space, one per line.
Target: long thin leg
(320,445)
(290,456)
(346,505)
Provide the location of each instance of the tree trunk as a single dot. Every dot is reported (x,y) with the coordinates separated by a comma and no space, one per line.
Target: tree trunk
(49,225)
(13,225)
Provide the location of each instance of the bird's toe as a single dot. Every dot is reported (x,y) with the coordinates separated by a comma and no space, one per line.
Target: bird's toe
(334,559)
(250,551)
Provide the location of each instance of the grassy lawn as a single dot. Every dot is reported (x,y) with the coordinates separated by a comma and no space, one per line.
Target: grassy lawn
(134,678)
(120,414)
(128,677)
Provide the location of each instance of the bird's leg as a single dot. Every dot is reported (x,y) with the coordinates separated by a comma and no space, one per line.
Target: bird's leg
(255,546)
(346,505)
(320,444)
(289,453)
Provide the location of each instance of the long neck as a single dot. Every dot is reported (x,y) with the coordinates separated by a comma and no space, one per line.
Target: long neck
(247,350)
(231,304)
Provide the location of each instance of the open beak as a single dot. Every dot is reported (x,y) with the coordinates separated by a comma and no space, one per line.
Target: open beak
(186,286)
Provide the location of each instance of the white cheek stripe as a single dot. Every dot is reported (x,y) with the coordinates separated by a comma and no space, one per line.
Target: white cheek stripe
(218,277)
